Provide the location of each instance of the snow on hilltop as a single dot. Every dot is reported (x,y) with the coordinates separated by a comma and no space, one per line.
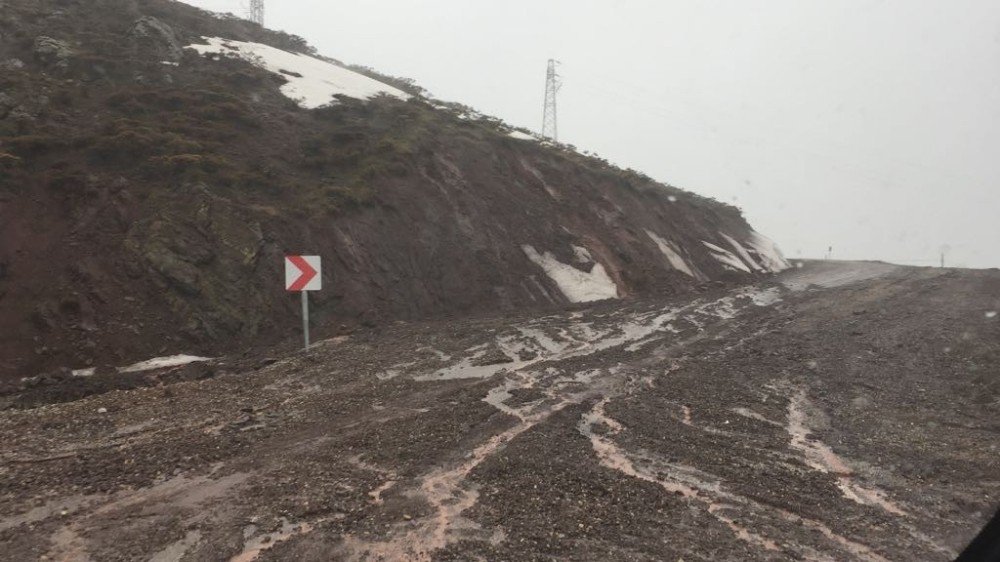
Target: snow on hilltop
(311,82)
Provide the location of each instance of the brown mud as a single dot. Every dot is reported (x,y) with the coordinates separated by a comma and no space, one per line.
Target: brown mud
(852,418)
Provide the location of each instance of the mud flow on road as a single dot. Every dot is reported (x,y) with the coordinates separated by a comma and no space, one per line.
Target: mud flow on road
(843,411)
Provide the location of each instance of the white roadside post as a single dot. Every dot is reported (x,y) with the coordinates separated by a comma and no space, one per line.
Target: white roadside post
(303,274)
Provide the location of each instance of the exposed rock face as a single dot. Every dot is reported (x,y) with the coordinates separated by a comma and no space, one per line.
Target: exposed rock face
(149,32)
(52,52)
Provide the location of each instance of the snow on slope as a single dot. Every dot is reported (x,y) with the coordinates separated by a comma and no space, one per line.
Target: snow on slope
(727,258)
(675,259)
(149,365)
(578,286)
(522,136)
(742,252)
(770,256)
(162,362)
(311,82)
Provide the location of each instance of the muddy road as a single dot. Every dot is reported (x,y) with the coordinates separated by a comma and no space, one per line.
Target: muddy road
(842,411)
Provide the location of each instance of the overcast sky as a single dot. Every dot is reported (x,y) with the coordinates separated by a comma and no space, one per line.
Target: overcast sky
(866,125)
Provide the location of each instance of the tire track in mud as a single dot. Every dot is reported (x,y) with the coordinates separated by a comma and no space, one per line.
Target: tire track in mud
(696,486)
(446,490)
(819,456)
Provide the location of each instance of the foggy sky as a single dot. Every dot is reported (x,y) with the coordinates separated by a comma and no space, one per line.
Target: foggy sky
(866,125)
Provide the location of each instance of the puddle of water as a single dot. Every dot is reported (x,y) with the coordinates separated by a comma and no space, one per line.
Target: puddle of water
(53,508)
(68,546)
(258,544)
(188,493)
(582,338)
(177,550)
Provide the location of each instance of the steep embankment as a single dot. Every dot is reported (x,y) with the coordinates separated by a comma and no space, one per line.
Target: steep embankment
(153,175)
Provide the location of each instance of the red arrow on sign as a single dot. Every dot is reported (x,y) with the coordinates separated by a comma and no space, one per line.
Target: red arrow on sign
(308,273)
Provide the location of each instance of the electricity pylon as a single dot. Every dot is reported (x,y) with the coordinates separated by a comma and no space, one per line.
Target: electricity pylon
(550,120)
(256,12)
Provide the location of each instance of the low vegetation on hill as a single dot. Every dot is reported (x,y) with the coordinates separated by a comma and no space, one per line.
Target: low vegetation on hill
(148,193)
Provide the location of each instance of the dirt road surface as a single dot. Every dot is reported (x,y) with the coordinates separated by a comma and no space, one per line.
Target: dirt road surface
(842,411)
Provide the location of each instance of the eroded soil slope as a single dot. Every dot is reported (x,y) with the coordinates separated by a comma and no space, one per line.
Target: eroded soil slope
(148,194)
(848,412)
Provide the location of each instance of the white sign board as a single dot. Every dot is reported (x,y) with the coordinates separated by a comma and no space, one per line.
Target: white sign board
(303,273)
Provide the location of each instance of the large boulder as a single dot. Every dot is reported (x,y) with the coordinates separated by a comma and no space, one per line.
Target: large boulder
(52,52)
(151,33)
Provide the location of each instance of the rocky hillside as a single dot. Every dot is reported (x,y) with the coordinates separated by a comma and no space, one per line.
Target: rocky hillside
(156,163)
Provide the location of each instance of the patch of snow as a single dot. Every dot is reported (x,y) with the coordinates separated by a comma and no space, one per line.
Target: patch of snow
(522,136)
(311,82)
(169,63)
(742,252)
(163,362)
(992,314)
(726,258)
(668,249)
(582,255)
(765,297)
(148,365)
(672,199)
(579,339)
(577,285)
(770,256)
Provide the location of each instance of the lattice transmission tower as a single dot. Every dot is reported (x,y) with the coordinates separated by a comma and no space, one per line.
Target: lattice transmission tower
(550,119)
(256,12)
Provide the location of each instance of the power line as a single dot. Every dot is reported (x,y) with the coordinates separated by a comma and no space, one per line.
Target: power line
(550,121)
(256,12)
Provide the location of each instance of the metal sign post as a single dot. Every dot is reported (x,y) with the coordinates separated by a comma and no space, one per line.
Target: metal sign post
(305,316)
(304,274)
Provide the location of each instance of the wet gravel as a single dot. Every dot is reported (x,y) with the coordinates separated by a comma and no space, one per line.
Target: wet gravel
(852,418)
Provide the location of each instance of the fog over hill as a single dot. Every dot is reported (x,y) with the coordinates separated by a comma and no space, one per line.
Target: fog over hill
(866,126)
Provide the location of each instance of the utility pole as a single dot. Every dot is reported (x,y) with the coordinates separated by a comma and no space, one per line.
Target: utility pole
(550,121)
(256,12)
